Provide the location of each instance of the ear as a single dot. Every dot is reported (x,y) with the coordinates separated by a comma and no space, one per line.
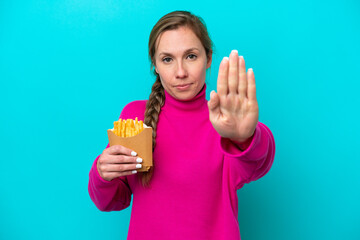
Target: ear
(154,67)
(209,60)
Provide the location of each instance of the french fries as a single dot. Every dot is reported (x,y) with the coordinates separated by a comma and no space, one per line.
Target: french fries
(128,127)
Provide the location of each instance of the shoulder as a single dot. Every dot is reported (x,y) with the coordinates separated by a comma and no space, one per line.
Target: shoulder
(134,109)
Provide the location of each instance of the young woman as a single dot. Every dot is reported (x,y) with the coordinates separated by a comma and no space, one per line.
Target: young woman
(204,151)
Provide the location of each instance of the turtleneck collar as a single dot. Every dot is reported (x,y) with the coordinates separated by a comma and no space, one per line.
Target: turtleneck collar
(194,104)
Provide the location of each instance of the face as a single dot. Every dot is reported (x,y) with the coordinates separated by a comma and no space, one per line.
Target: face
(181,62)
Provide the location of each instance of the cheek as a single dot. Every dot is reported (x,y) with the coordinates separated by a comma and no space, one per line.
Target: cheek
(165,80)
(201,72)
(165,74)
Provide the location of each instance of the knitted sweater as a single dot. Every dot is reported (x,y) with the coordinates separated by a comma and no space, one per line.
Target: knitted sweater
(192,193)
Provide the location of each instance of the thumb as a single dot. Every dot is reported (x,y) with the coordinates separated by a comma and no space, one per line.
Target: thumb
(214,102)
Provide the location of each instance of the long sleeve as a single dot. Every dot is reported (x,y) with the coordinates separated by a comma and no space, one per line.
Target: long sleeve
(112,195)
(252,163)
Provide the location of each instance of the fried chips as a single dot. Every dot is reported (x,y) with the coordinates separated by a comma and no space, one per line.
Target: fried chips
(128,127)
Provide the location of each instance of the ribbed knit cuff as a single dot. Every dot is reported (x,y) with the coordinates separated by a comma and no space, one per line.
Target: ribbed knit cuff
(232,149)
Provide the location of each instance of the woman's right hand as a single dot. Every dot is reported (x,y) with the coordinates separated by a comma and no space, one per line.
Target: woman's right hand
(117,161)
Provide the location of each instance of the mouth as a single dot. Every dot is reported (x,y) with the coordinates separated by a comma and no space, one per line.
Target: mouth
(183,86)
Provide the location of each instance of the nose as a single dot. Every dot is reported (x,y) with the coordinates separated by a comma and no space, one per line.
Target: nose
(181,71)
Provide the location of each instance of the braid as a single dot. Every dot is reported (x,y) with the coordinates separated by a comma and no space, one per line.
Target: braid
(153,108)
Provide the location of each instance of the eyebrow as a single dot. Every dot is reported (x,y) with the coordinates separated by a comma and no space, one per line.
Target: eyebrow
(186,51)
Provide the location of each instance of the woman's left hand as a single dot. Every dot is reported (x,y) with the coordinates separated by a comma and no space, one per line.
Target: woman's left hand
(234,110)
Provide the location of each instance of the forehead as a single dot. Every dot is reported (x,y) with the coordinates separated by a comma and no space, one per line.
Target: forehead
(179,39)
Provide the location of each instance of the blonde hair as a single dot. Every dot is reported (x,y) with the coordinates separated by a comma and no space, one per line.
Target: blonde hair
(170,21)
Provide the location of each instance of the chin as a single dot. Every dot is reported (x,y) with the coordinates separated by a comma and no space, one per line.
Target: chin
(185,96)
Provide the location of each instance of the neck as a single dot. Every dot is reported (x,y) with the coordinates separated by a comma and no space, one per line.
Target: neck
(195,104)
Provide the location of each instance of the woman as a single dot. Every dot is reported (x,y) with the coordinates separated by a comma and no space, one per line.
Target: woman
(203,152)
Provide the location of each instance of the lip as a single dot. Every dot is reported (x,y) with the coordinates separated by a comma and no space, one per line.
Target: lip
(183,86)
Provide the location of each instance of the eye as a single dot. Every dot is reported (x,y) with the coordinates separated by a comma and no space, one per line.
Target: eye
(166,59)
(192,56)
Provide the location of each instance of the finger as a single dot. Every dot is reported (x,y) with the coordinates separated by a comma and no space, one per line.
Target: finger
(120,167)
(233,72)
(111,175)
(251,91)
(242,90)
(118,149)
(128,173)
(222,87)
(123,159)
(214,103)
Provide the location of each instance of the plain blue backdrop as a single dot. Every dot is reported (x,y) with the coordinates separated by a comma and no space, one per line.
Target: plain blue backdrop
(67,68)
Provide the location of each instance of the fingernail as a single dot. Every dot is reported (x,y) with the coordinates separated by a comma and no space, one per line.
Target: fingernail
(133,171)
(138,165)
(241,57)
(139,159)
(234,51)
(226,58)
(133,153)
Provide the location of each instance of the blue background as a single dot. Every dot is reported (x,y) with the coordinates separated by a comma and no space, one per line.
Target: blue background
(67,68)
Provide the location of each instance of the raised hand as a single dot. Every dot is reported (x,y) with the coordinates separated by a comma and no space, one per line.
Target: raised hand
(234,110)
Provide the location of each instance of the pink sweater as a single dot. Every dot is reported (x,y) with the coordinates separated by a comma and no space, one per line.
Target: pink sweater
(196,176)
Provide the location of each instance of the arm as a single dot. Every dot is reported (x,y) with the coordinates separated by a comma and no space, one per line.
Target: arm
(253,162)
(248,145)
(113,195)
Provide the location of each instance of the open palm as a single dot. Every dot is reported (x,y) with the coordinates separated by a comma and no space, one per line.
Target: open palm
(234,110)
